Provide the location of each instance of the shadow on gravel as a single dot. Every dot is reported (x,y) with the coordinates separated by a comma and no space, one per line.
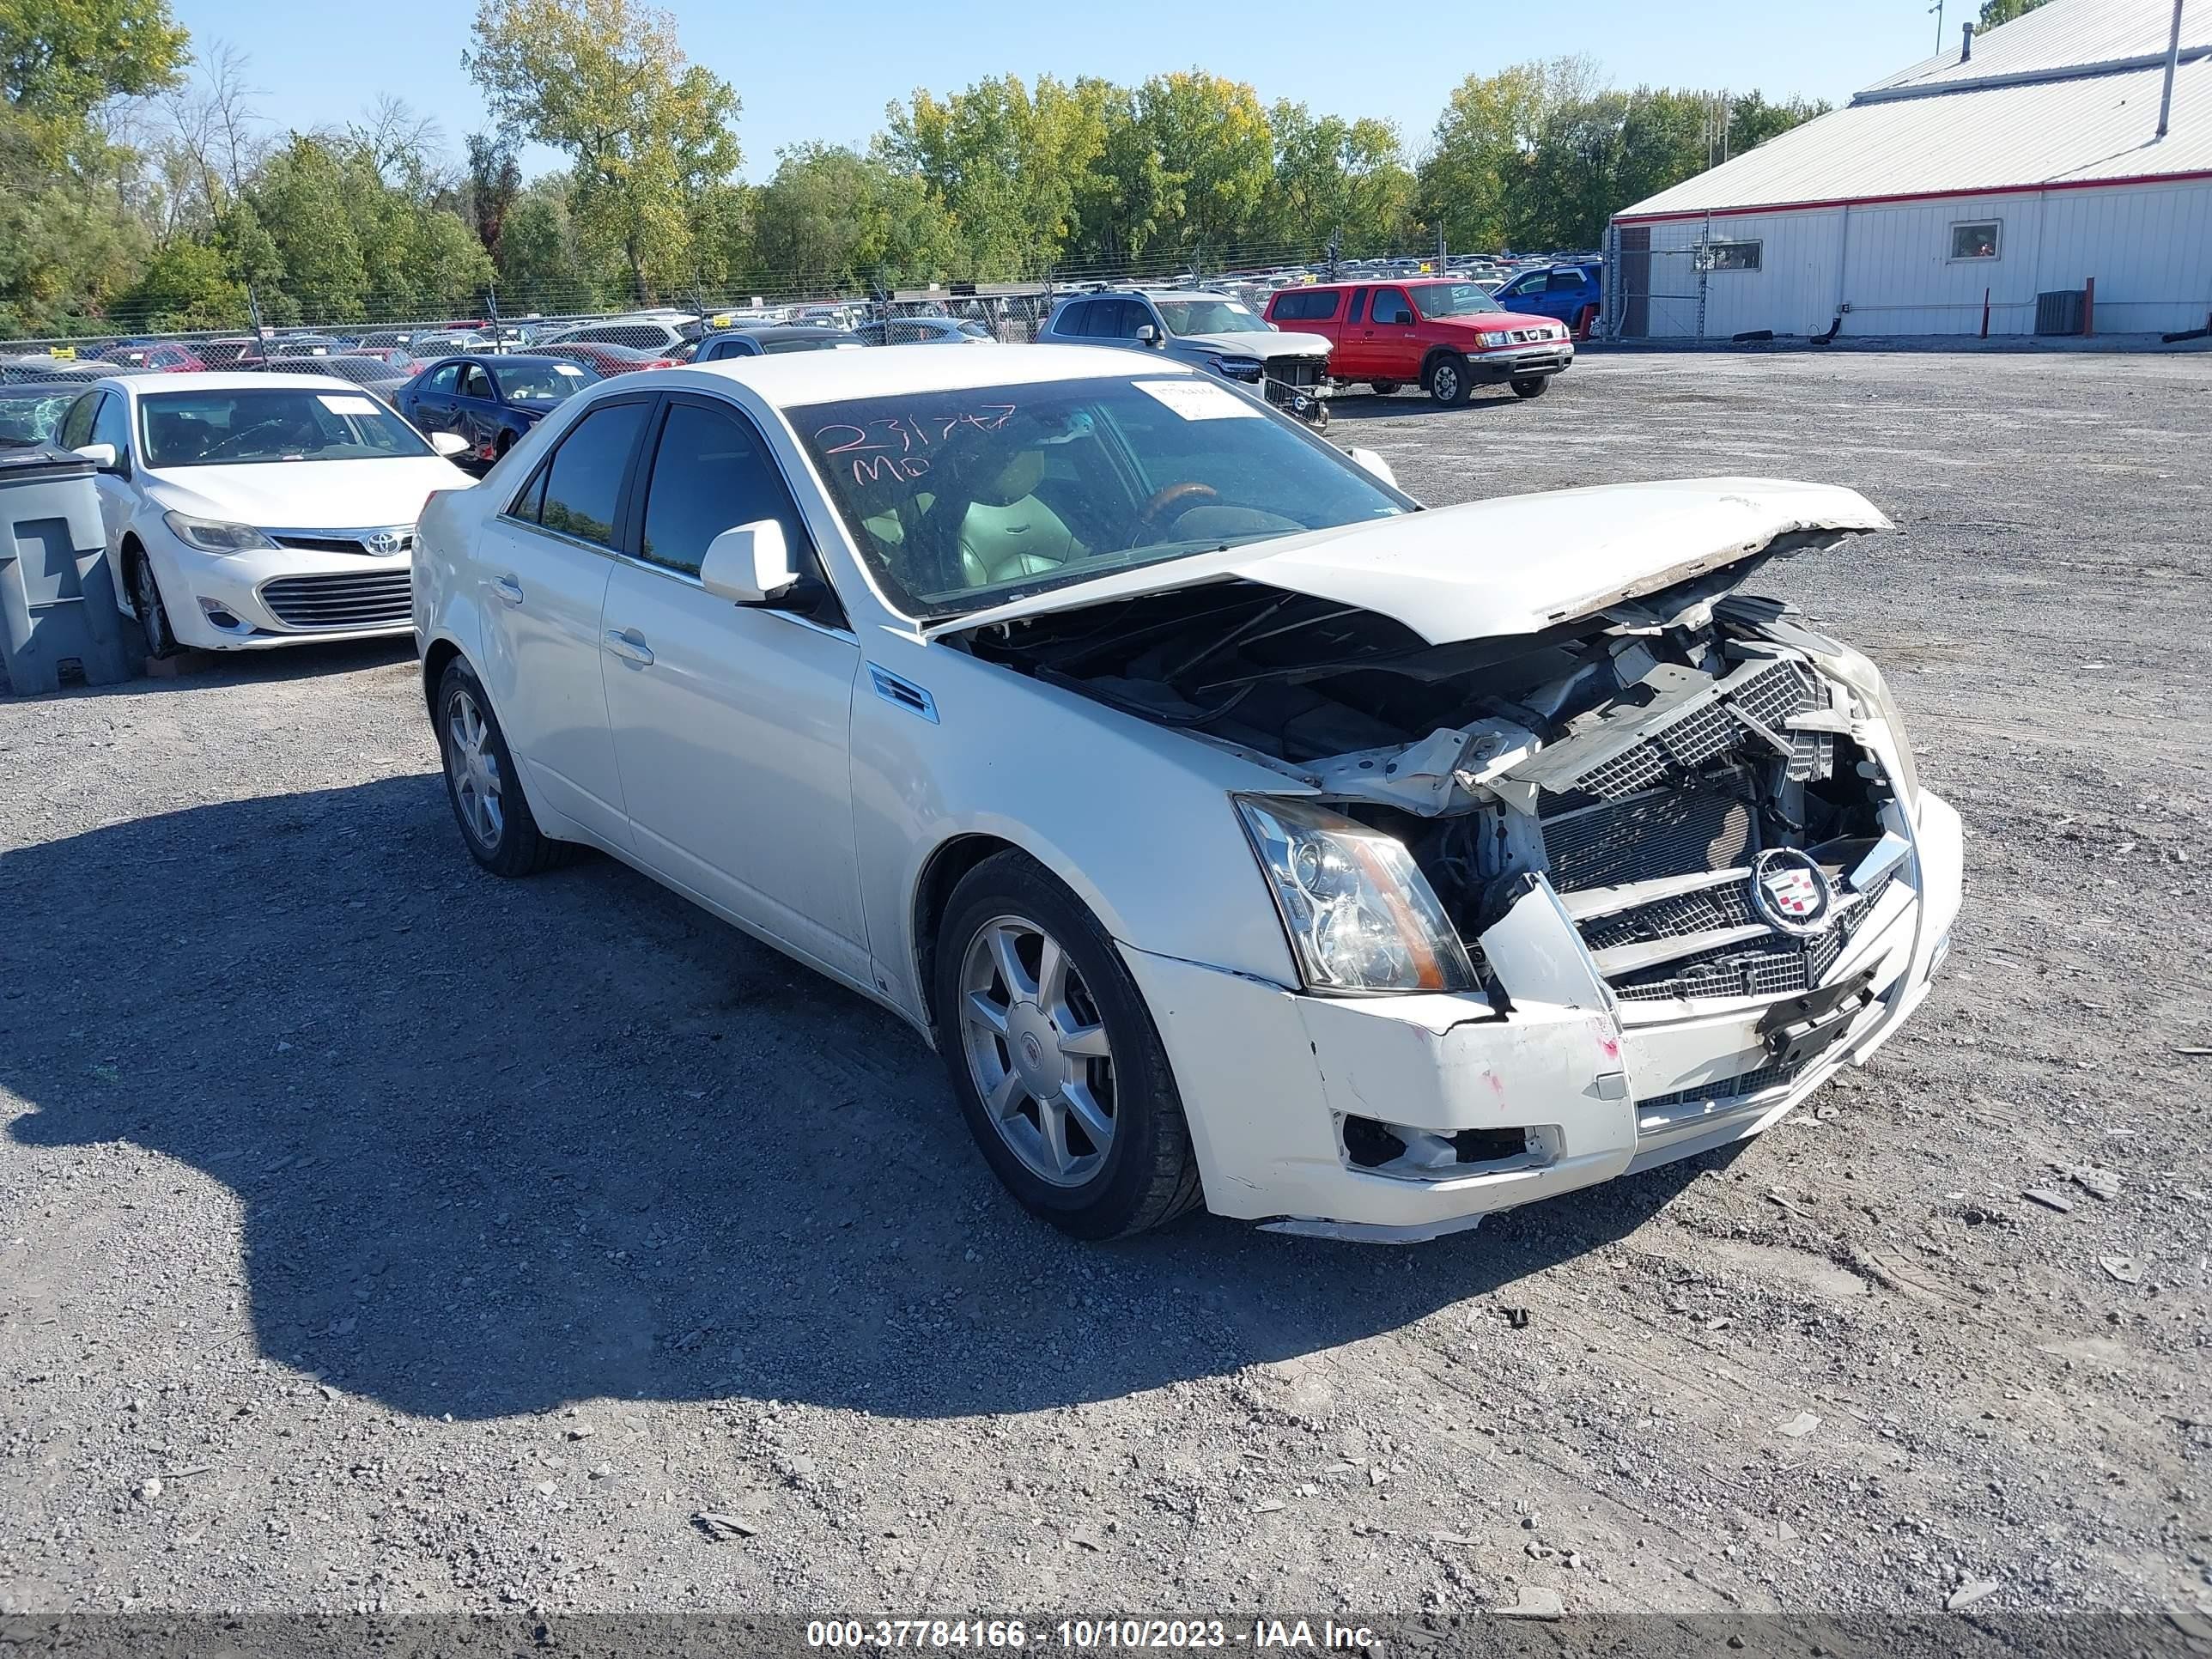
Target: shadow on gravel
(495,1147)
(1397,404)
(207,669)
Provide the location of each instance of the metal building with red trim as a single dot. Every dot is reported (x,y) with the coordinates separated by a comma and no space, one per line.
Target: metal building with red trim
(2071,145)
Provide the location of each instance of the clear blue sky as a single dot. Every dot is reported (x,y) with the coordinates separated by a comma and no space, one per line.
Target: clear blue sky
(827,72)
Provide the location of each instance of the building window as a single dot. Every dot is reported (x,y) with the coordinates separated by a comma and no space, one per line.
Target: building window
(1734,256)
(1976,238)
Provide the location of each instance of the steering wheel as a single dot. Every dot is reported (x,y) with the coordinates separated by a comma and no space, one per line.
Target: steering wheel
(1172,495)
(232,441)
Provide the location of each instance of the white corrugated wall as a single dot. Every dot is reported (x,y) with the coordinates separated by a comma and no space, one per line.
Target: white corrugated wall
(2149,246)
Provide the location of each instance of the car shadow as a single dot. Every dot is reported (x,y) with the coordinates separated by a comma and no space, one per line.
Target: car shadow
(197,670)
(497,1145)
(1383,406)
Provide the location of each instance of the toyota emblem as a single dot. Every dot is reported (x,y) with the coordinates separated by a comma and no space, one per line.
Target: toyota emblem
(1791,892)
(386,542)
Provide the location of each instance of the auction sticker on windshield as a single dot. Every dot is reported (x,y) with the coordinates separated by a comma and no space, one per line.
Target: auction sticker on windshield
(1199,400)
(343,405)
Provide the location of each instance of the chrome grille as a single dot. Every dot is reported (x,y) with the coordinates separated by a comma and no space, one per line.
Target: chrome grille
(347,541)
(379,599)
(1684,914)
(1623,759)
(1297,371)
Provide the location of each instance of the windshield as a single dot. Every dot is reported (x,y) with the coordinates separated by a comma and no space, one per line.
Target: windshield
(1452,300)
(1211,317)
(543,384)
(280,423)
(31,417)
(960,500)
(800,342)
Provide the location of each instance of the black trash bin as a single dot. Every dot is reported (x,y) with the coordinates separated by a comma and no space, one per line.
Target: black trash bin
(57,584)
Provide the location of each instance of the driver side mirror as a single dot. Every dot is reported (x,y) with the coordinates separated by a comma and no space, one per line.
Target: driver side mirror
(449,444)
(1147,334)
(102,456)
(748,565)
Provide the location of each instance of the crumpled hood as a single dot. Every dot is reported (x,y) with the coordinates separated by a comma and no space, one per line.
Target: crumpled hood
(1516,564)
(308,495)
(1264,344)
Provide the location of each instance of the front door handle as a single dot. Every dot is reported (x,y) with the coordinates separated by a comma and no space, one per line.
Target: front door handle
(628,646)
(508,589)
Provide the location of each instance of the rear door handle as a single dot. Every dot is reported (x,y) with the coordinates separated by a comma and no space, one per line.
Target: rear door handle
(627,645)
(508,589)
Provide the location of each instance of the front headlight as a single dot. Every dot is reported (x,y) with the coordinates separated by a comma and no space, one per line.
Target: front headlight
(1360,915)
(213,536)
(1235,368)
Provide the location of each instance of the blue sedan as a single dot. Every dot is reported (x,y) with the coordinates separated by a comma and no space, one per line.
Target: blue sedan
(489,401)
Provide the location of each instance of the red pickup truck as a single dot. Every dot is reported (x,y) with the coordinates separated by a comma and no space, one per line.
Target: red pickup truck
(1447,338)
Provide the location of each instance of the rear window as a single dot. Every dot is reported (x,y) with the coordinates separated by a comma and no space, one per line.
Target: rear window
(1307,308)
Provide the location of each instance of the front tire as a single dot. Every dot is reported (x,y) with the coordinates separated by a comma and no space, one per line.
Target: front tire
(152,614)
(483,786)
(1055,1059)
(1531,386)
(1449,382)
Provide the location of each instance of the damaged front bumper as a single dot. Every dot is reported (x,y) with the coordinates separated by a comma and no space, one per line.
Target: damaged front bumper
(1402,1118)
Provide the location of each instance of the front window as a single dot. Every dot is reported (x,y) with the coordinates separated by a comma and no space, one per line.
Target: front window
(1735,256)
(960,500)
(541,386)
(1453,300)
(1211,317)
(288,423)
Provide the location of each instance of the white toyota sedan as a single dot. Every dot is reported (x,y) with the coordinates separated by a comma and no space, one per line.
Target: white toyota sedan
(248,510)
(1238,831)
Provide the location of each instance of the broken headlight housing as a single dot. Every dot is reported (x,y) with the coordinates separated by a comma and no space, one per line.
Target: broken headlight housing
(1360,915)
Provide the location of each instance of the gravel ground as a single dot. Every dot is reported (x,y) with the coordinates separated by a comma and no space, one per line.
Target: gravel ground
(374,1234)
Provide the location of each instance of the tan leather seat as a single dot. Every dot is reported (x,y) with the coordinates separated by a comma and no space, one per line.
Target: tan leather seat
(1008,533)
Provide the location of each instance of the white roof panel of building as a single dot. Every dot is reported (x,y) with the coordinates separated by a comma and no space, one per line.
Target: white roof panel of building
(2064,34)
(1925,133)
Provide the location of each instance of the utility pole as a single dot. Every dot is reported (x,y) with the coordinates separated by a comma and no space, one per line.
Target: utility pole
(1937,10)
(1440,247)
(1335,250)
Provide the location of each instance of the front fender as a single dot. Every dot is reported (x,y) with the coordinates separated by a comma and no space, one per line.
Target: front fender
(1136,819)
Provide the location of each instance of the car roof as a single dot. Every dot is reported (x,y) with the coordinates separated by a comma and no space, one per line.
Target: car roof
(220,381)
(795,380)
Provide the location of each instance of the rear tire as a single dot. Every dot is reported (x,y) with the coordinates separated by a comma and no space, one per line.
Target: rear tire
(1449,382)
(483,786)
(1531,386)
(1385,387)
(1054,1056)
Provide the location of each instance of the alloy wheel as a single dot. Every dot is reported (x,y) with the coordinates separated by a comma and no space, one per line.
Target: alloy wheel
(1037,1050)
(473,765)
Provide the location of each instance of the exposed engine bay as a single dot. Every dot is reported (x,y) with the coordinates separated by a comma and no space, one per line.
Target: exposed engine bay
(1679,767)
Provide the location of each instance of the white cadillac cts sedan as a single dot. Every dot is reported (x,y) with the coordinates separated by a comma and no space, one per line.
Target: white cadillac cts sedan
(247,510)
(1236,830)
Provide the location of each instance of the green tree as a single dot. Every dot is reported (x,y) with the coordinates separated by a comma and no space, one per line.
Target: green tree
(1336,178)
(493,181)
(301,200)
(1214,141)
(541,267)
(186,286)
(1008,163)
(1476,169)
(1995,12)
(648,132)
(62,59)
(832,220)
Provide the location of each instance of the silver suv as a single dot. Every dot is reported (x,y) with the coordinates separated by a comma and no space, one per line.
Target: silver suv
(1213,331)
